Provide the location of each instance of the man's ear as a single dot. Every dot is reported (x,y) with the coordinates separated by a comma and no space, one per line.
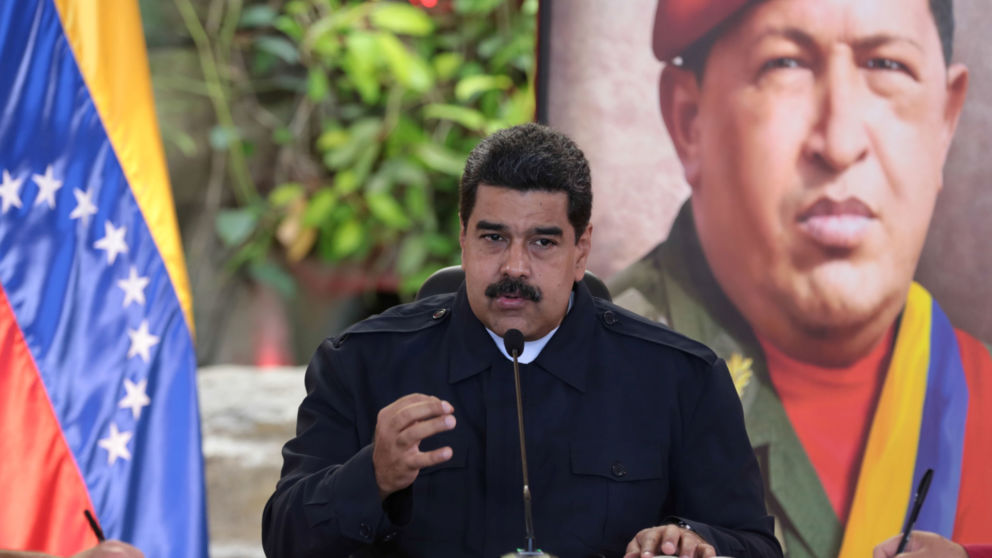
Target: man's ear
(957,90)
(584,245)
(679,94)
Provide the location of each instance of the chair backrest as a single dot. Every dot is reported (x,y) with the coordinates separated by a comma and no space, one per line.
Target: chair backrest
(448,279)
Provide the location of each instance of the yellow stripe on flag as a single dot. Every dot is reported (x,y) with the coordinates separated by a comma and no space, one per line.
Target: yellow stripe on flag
(885,483)
(110,49)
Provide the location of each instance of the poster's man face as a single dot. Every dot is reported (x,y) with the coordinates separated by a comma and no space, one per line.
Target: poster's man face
(814,144)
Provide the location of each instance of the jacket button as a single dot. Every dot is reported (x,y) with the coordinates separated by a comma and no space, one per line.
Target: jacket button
(365,531)
(389,536)
(609,317)
(438,314)
(618,470)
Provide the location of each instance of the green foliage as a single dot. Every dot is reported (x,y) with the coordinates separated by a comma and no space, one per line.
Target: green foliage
(374,106)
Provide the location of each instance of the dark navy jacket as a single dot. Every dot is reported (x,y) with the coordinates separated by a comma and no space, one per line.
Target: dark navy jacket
(628,424)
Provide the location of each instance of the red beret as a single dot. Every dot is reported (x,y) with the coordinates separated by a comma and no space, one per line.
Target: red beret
(679,23)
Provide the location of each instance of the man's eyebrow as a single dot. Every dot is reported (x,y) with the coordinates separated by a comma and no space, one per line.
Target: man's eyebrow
(804,39)
(880,39)
(549,231)
(490,226)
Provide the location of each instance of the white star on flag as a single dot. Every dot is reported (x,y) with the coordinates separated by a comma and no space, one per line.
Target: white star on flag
(141,341)
(134,288)
(47,186)
(116,444)
(136,397)
(84,206)
(10,192)
(112,242)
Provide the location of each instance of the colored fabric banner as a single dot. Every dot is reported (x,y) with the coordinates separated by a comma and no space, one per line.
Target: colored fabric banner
(98,403)
(919,424)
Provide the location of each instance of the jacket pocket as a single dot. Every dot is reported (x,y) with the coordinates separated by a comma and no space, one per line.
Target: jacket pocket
(623,484)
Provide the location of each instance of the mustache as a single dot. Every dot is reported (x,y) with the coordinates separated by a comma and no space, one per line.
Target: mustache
(514,287)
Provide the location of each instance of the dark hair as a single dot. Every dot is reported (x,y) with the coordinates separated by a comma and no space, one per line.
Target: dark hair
(530,157)
(695,55)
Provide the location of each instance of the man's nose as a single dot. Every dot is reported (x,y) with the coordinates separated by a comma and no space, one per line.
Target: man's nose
(840,136)
(516,261)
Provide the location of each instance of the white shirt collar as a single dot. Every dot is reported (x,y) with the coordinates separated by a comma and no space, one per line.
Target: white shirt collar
(531,348)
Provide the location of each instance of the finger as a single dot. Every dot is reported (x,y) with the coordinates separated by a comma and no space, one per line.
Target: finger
(405,415)
(887,549)
(423,459)
(418,431)
(704,550)
(670,539)
(688,543)
(648,541)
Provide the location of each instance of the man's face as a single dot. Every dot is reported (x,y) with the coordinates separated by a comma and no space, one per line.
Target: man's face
(814,145)
(521,259)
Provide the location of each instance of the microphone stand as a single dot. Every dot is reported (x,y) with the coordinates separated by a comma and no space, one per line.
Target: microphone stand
(514,342)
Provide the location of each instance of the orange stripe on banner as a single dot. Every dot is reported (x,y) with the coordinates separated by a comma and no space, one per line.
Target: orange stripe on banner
(110,49)
(44,494)
(974,515)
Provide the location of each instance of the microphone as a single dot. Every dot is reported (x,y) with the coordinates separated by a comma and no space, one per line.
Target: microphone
(513,341)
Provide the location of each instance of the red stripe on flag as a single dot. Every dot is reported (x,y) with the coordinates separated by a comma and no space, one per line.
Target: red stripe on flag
(44,494)
(974,514)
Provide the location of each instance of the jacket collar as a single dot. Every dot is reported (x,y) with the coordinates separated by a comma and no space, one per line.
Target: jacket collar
(471,350)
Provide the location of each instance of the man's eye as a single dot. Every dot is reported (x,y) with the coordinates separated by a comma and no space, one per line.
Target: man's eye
(886,64)
(492,237)
(545,242)
(782,62)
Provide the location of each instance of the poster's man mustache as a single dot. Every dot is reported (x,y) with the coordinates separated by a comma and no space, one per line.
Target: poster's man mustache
(513,287)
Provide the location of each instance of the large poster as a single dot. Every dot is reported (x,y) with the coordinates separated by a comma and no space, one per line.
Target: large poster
(775,198)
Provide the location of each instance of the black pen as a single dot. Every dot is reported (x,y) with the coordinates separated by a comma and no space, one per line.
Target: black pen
(95,526)
(921,494)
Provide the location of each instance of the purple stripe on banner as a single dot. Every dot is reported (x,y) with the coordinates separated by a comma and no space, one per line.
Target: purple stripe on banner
(93,297)
(941,444)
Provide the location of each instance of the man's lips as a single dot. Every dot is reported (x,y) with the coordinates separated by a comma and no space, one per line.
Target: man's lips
(837,224)
(510,301)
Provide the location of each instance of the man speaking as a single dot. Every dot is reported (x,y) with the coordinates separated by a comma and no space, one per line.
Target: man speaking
(813,134)
(407,440)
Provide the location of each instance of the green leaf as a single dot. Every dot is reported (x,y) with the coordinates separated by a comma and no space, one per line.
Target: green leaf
(385,208)
(285,194)
(234,226)
(441,158)
(446,64)
(441,245)
(409,69)
(347,239)
(476,6)
(282,135)
(412,255)
(290,27)
(417,204)
(274,276)
(317,84)
(345,182)
(467,117)
(279,47)
(332,138)
(402,18)
(257,16)
(319,208)
(471,86)
(361,135)
(362,57)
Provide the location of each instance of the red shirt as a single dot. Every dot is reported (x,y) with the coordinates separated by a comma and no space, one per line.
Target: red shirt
(831,411)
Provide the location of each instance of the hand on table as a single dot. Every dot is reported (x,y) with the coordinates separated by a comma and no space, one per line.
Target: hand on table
(399,429)
(670,540)
(921,544)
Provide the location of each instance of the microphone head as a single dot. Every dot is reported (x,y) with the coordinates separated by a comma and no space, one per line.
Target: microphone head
(513,341)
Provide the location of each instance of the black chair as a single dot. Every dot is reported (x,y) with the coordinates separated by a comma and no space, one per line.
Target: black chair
(448,279)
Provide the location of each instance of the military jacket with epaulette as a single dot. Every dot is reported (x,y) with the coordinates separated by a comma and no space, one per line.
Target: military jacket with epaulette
(627,424)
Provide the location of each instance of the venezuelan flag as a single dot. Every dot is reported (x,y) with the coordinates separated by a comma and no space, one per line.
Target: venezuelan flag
(98,404)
